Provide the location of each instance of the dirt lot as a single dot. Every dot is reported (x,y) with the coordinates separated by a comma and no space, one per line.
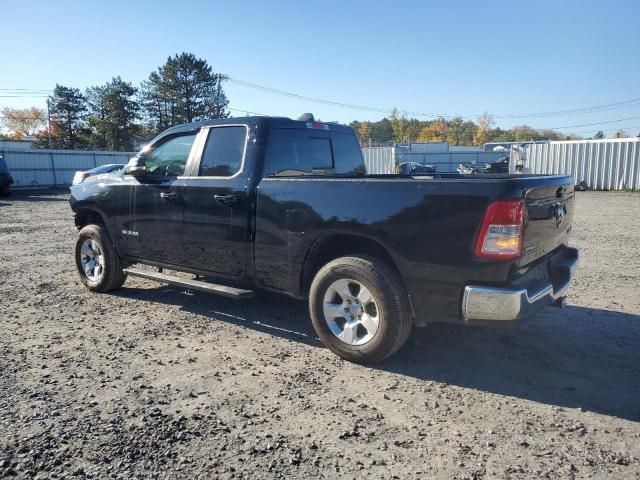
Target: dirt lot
(157,382)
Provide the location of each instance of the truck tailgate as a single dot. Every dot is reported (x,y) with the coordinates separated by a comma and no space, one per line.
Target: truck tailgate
(548,216)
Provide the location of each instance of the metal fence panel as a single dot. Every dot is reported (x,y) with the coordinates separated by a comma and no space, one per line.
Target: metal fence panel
(379,160)
(611,164)
(48,168)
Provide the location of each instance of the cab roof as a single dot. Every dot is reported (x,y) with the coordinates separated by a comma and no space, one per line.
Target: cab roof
(274,122)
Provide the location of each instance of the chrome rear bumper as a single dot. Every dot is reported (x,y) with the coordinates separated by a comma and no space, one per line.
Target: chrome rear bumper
(481,303)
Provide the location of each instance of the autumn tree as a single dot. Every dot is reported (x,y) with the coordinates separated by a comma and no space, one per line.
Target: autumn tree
(434,131)
(22,122)
(485,122)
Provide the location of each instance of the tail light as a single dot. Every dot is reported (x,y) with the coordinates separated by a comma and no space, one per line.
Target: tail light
(500,236)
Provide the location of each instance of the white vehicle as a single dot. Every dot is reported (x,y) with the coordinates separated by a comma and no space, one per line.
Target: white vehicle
(80,176)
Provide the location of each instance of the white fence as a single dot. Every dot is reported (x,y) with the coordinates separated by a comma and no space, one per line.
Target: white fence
(611,164)
(47,168)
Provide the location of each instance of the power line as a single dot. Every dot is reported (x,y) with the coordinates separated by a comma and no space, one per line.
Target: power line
(591,124)
(585,110)
(293,95)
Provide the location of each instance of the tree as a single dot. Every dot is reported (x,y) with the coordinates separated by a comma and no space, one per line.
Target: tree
(68,108)
(22,122)
(382,131)
(435,131)
(114,110)
(524,132)
(400,127)
(620,134)
(485,122)
(182,90)
(456,130)
(599,135)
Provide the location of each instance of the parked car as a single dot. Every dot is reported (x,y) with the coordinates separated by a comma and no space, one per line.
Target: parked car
(6,180)
(284,205)
(414,168)
(499,166)
(80,177)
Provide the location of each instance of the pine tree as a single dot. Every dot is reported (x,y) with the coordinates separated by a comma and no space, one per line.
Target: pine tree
(114,110)
(184,89)
(68,107)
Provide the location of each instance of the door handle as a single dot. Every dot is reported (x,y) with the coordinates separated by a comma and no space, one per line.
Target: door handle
(226,199)
(169,195)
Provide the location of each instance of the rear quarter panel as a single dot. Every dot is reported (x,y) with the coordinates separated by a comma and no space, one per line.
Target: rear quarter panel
(427,226)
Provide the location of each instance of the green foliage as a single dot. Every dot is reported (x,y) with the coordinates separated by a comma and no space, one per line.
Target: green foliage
(68,108)
(183,90)
(456,131)
(114,111)
(599,135)
(108,117)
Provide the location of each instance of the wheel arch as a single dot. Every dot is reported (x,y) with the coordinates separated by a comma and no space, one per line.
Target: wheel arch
(332,246)
(87,215)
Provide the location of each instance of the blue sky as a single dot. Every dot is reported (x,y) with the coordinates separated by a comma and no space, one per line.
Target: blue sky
(461,57)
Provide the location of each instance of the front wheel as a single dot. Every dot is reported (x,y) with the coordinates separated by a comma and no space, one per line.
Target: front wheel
(97,262)
(360,309)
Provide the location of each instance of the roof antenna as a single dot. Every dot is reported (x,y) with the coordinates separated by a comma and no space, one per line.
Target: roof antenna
(306,117)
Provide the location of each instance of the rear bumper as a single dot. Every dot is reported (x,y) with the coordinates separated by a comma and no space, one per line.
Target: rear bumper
(482,303)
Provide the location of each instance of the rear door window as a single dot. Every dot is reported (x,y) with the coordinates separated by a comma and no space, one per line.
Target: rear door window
(348,154)
(223,152)
(299,151)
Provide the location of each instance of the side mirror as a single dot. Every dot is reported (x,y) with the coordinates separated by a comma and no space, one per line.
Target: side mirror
(135,167)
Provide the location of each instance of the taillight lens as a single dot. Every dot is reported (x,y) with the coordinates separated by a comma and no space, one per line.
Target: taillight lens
(500,236)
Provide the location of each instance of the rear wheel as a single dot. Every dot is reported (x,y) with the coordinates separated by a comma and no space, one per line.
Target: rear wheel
(360,309)
(97,262)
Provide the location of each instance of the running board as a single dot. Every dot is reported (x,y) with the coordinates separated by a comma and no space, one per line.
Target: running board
(230,292)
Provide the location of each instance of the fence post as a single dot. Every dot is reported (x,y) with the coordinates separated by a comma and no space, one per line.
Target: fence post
(95,162)
(53,169)
(394,165)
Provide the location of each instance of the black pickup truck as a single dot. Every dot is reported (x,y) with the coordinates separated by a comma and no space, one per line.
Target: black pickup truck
(287,206)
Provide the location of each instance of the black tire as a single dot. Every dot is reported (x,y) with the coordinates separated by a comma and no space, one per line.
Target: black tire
(394,311)
(113,275)
(5,191)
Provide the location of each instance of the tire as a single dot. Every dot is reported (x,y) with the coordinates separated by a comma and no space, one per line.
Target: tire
(5,191)
(110,275)
(392,312)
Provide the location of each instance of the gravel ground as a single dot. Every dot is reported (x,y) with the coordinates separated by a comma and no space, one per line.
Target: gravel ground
(157,382)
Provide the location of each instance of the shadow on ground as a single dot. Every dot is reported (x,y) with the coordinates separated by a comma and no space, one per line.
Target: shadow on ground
(575,358)
(57,195)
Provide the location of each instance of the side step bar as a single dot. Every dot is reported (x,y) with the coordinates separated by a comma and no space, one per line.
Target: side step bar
(230,292)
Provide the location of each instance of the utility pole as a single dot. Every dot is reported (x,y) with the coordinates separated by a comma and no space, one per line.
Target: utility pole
(49,122)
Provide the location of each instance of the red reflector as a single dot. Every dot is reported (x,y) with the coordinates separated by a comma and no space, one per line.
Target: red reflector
(500,236)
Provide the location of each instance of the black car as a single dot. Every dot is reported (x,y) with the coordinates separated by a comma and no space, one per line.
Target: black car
(414,168)
(499,166)
(6,180)
(283,205)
